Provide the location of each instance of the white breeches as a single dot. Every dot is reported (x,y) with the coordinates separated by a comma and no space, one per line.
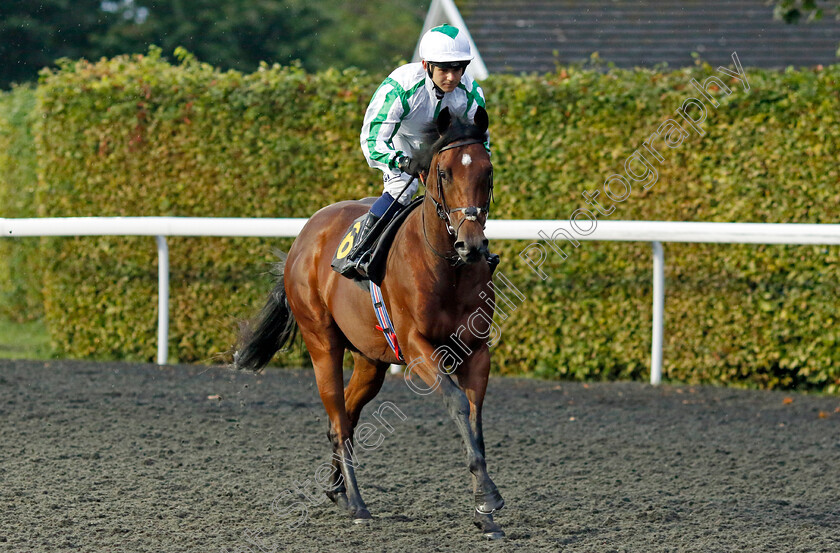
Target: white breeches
(396,181)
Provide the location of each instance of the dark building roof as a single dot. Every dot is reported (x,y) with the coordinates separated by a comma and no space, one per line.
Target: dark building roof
(525,36)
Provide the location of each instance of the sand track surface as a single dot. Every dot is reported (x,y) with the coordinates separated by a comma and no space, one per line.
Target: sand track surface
(130,457)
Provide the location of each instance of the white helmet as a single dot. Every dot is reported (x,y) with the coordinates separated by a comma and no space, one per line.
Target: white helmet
(445,43)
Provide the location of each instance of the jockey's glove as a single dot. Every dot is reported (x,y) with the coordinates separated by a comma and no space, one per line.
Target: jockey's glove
(409,166)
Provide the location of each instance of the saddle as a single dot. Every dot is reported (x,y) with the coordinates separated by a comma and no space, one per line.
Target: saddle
(378,251)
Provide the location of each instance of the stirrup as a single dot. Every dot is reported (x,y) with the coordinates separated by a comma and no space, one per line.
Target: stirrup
(362,264)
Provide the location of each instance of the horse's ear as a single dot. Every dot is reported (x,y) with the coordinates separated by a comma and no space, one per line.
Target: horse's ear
(444,120)
(481,119)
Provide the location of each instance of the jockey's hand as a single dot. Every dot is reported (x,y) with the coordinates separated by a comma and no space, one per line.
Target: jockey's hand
(409,166)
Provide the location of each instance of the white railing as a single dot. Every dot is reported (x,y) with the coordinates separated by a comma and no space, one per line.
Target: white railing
(655,232)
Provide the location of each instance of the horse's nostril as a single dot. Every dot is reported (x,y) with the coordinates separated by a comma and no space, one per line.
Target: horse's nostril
(459,245)
(485,243)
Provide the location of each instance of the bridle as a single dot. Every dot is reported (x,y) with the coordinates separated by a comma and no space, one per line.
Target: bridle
(471,213)
(443,211)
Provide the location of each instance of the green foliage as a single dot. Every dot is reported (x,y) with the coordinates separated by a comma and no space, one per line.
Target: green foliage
(24,340)
(231,34)
(138,136)
(792,11)
(20,269)
(234,34)
(368,35)
(762,315)
(33,33)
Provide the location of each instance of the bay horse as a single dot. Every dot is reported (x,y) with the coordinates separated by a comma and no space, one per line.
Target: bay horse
(435,278)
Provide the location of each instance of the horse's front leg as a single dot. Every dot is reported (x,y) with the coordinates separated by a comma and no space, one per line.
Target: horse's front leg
(472,378)
(465,412)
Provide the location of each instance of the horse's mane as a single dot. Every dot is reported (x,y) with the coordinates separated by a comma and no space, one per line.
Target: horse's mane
(459,129)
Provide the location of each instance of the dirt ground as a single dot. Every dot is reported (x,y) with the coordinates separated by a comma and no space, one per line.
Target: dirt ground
(130,457)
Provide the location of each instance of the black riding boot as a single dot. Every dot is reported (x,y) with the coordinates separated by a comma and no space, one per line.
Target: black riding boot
(492,260)
(360,255)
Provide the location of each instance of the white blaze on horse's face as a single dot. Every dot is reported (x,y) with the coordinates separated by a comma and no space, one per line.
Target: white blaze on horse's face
(466,160)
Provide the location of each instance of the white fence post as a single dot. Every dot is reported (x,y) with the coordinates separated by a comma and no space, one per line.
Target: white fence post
(623,231)
(163,300)
(658,313)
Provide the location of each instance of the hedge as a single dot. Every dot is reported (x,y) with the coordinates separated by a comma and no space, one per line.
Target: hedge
(140,136)
(20,271)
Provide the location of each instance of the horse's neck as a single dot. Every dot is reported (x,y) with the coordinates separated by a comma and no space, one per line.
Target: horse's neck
(436,238)
(436,269)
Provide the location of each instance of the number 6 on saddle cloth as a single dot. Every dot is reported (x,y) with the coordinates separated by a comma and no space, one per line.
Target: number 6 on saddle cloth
(341,262)
(376,268)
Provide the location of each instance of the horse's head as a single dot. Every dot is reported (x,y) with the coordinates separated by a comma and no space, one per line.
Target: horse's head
(460,182)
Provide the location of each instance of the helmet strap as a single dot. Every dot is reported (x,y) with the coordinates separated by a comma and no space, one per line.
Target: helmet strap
(430,68)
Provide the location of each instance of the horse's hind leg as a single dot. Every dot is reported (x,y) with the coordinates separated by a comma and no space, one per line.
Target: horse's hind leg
(363,386)
(365,383)
(327,351)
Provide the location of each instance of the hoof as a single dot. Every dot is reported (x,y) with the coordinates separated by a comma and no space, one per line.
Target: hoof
(489,528)
(487,504)
(362,516)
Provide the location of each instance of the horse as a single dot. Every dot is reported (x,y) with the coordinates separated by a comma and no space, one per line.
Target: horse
(435,278)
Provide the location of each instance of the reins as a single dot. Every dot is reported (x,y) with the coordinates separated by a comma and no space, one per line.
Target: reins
(454,260)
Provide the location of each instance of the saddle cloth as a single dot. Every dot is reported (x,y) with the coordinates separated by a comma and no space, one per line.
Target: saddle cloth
(379,250)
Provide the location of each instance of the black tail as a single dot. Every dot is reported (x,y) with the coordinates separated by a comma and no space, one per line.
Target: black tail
(262,337)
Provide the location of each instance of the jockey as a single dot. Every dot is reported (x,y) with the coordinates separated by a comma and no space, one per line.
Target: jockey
(401,109)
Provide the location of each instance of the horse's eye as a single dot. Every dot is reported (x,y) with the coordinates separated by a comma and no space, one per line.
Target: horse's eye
(441,175)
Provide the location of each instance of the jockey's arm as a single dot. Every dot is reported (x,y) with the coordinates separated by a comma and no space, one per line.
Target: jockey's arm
(475,98)
(382,118)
